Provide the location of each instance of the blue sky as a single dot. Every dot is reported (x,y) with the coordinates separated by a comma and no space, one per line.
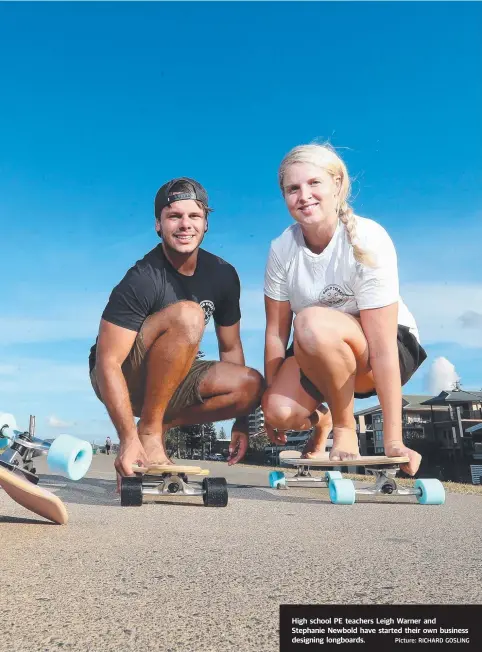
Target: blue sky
(102,103)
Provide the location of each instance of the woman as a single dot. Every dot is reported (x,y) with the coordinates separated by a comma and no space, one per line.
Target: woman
(353,335)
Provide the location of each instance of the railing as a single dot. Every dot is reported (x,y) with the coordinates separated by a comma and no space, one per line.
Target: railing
(471,414)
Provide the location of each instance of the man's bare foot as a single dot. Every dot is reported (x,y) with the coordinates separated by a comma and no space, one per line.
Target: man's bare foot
(155,451)
(345,445)
(398,449)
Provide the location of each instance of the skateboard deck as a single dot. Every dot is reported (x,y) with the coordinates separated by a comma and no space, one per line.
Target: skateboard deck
(159,469)
(32,497)
(293,458)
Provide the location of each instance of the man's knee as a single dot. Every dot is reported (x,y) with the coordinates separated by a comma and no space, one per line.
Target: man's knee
(251,389)
(184,318)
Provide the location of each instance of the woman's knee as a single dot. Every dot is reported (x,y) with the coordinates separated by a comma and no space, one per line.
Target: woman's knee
(314,327)
(283,415)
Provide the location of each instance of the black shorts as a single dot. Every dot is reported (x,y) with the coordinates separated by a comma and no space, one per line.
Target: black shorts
(410,356)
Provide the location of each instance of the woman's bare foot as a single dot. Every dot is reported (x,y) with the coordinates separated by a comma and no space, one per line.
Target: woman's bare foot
(398,449)
(315,447)
(345,444)
(313,452)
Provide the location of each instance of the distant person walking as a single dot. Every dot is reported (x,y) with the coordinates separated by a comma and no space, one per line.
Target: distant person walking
(108,445)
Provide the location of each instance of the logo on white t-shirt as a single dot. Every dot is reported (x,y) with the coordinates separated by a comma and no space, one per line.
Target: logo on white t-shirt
(333,296)
(208,307)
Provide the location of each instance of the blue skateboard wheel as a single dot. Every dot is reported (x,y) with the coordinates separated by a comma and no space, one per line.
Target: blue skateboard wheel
(277,479)
(432,492)
(332,475)
(342,492)
(70,456)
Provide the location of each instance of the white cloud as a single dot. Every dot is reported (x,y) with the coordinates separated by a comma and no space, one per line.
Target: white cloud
(471,319)
(8,369)
(444,313)
(41,376)
(54,422)
(441,376)
(45,388)
(439,310)
(26,330)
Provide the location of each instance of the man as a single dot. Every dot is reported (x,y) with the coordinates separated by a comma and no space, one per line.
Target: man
(108,444)
(145,361)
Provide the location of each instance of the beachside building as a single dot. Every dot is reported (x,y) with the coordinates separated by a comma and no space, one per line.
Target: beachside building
(446,429)
(256,421)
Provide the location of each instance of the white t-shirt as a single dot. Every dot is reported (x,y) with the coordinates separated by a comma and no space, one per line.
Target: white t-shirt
(333,278)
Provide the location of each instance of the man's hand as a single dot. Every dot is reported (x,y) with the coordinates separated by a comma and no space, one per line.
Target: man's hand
(276,437)
(237,447)
(130,452)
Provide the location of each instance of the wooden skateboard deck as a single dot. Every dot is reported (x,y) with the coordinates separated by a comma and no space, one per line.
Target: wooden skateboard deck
(32,497)
(159,469)
(293,458)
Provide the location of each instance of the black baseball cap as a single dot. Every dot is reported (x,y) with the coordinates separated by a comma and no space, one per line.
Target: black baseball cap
(165,197)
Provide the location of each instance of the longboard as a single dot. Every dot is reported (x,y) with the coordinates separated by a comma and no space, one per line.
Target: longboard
(160,480)
(32,497)
(343,491)
(293,458)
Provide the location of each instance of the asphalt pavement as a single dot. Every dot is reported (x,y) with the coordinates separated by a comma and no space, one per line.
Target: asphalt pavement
(175,576)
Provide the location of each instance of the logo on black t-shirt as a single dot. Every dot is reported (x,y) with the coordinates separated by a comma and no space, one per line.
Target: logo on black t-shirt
(208,307)
(334,296)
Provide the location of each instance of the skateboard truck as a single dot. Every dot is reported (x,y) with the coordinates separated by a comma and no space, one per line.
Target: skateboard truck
(66,455)
(172,482)
(19,456)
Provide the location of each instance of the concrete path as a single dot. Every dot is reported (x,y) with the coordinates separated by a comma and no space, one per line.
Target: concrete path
(178,577)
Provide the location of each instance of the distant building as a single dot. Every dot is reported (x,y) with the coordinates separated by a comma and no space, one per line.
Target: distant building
(446,429)
(256,421)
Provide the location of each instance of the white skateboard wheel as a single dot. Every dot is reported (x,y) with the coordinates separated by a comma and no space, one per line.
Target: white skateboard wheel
(70,456)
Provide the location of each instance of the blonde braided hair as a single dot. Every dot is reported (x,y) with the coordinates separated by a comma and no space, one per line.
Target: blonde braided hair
(325,157)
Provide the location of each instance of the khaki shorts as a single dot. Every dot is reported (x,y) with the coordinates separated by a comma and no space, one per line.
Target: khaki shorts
(135,374)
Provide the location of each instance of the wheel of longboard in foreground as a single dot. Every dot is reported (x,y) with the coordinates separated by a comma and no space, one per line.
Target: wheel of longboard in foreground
(131,491)
(70,456)
(342,492)
(333,475)
(432,492)
(277,479)
(215,492)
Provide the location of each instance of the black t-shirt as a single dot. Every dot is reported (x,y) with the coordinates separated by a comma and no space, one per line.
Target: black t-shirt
(153,283)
